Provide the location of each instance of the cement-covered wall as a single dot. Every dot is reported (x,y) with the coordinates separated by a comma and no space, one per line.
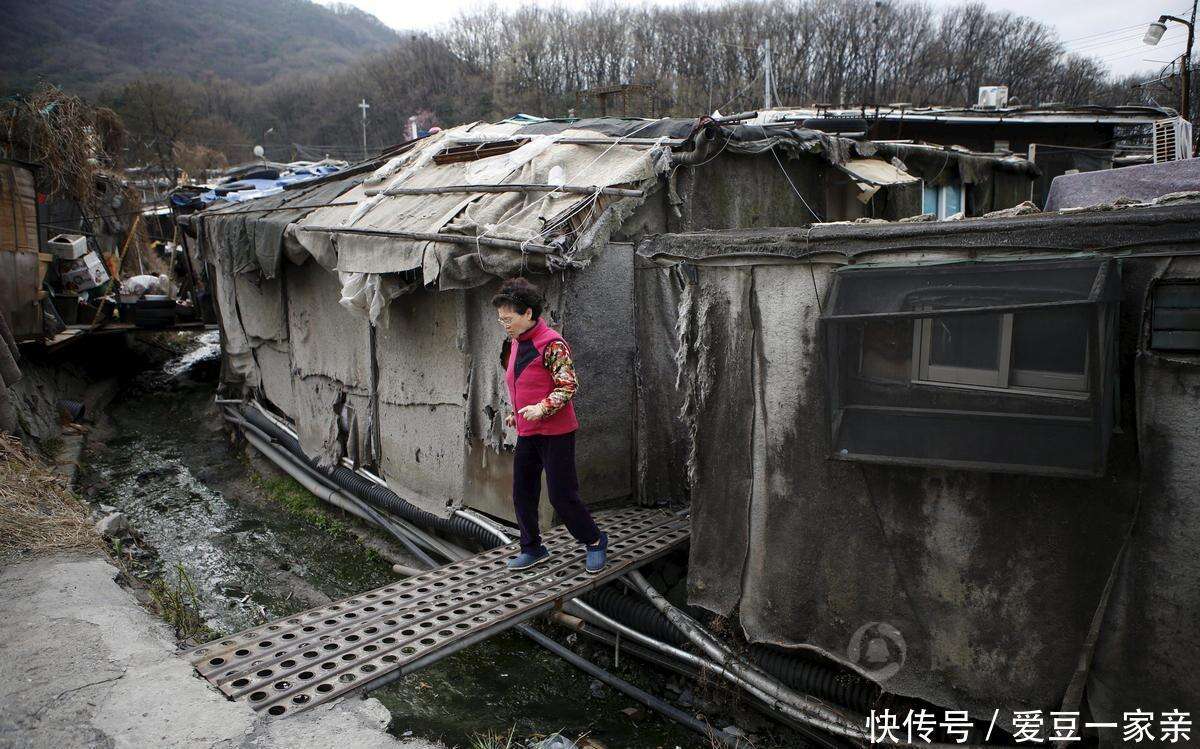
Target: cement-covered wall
(1146,655)
(991,582)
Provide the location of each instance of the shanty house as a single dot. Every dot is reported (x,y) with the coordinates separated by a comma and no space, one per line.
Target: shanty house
(1057,138)
(418,242)
(959,457)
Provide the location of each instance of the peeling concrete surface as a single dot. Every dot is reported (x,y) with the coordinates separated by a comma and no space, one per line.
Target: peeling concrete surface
(82,664)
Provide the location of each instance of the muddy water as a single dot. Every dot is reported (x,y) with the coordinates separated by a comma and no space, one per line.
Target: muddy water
(167,466)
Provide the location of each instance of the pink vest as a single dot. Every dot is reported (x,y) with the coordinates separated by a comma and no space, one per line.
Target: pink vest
(529,382)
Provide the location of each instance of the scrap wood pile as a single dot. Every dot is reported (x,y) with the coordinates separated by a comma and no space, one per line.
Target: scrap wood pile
(38,510)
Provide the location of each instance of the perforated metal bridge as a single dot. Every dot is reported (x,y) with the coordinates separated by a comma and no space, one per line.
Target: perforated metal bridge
(359,642)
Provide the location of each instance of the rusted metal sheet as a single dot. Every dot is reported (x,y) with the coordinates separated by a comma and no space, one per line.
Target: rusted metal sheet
(356,643)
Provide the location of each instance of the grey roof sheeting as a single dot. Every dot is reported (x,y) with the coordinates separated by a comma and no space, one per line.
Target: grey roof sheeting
(1015,115)
(1139,228)
(1144,182)
(413,211)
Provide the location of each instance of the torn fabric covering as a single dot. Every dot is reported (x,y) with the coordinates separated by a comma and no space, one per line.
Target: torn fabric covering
(662,437)
(996,181)
(330,349)
(518,216)
(274,361)
(235,344)
(253,231)
(260,304)
(992,599)
(422,391)
(327,339)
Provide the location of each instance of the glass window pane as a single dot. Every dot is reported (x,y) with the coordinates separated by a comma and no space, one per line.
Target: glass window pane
(970,341)
(887,350)
(953,199)
(1051,340)
(929,200)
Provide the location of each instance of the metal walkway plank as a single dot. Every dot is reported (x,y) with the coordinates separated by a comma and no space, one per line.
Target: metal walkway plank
(318,655)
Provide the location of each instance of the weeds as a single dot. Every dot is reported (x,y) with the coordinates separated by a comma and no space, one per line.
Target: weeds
(491,740)
(177,603)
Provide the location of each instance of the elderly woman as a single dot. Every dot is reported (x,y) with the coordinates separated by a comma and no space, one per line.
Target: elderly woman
(541,382)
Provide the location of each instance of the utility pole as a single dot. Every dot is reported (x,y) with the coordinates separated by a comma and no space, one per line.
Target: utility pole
(1155,33)
(364,106)
(767,74)
(875,59)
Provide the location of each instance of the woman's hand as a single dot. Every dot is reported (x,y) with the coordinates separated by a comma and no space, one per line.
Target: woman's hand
(510,421)
(533,413)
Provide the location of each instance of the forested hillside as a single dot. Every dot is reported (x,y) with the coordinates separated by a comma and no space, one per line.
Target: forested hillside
(86,45)
(200,84)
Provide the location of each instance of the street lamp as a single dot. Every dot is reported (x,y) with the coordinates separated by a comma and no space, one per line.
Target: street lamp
(1153,34)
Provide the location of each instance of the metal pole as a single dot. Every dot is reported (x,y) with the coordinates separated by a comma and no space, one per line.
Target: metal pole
(1186,70)
(767,74)
(364,106)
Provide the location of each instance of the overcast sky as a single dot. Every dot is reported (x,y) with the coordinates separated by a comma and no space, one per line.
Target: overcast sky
(1108,29)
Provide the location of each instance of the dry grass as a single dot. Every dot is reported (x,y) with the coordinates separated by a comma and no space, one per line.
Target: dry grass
(38,510)
(68,138)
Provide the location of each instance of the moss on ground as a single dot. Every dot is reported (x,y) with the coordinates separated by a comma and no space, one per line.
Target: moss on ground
(298,502)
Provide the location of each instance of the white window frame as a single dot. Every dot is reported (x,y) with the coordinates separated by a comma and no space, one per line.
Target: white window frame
(1003,377)
(942,190)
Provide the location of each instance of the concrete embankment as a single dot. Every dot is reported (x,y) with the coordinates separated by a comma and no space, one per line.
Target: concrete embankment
(82,664)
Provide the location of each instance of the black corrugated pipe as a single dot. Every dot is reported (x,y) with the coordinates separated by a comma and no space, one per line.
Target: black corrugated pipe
(372,493)
(841,687)
(635,613)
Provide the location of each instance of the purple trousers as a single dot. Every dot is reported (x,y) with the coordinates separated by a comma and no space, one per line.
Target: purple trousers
(555,454)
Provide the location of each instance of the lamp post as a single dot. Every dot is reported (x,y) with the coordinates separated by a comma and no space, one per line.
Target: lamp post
(1154,33)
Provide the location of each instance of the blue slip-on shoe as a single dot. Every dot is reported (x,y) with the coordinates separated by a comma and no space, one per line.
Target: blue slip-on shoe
(527,559)
(597,555)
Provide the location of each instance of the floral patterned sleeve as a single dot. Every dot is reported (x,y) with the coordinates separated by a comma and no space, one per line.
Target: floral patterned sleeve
(557,358)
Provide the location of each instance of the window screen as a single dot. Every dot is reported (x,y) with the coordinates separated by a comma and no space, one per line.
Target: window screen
(996,365)
(1175,317)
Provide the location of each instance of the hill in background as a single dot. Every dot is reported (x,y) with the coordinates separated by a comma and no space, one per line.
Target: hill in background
(85,45)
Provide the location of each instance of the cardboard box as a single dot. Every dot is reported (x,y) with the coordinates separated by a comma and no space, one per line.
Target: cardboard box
(82,274)
(68,246)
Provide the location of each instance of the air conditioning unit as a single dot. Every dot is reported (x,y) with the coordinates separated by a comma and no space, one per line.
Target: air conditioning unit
(1172,140)
(993,97)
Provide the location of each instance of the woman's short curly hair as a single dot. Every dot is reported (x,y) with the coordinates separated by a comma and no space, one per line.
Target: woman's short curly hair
(519,294)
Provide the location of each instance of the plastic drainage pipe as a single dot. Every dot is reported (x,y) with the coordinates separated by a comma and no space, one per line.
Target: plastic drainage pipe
(324,490)
(727,665)
(369,491)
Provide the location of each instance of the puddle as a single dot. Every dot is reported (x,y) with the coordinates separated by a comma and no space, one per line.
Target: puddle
(167,467)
